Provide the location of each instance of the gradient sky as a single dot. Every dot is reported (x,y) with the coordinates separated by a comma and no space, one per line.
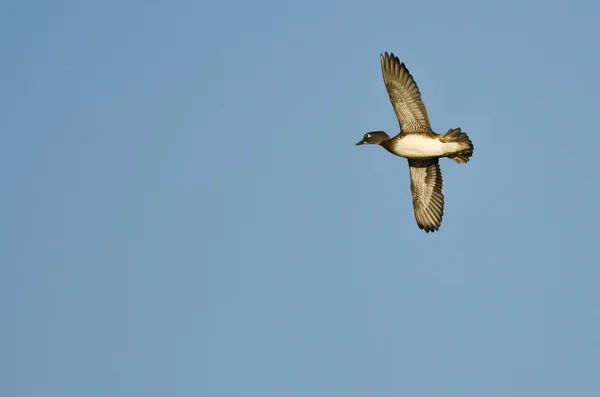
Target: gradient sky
(184,211)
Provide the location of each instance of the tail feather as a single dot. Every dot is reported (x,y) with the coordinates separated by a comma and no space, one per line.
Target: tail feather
(455,135)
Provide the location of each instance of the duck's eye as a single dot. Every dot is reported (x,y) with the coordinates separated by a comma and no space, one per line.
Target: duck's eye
(367,135)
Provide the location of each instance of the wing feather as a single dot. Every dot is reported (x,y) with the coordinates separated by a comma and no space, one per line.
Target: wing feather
(426,186)
(404,95)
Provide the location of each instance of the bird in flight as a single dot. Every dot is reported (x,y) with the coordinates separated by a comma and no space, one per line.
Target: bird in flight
(418,143)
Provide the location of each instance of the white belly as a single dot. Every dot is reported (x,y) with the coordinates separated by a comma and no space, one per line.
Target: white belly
(419,146)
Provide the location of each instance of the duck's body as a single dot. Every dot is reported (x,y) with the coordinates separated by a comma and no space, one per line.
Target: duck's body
(418,143)
(421,146)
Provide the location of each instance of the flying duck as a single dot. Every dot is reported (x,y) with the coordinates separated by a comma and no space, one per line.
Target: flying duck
(418,143)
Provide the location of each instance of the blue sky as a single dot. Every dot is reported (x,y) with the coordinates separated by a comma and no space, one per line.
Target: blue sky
(184,211)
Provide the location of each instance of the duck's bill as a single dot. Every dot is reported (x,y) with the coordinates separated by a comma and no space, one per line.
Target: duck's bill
(360,143)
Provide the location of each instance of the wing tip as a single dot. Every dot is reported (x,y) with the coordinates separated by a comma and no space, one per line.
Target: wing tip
(430,227)
(390,59)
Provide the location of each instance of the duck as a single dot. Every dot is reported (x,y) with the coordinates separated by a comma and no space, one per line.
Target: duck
(418,143)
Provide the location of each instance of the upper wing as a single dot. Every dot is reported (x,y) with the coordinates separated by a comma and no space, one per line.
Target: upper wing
(404,94)
(426,186)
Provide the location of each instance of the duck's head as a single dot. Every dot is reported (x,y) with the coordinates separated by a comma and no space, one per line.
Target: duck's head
(373,138)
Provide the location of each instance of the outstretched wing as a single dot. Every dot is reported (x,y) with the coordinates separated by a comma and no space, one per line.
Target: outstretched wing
(405,95)
(426,186)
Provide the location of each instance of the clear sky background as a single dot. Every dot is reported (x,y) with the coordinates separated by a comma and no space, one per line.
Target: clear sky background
(184,211)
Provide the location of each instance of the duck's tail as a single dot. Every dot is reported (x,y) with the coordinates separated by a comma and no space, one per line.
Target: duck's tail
(455,135)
